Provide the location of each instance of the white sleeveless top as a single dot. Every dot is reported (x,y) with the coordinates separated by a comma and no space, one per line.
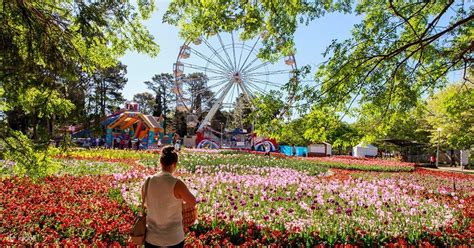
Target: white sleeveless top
(164,218)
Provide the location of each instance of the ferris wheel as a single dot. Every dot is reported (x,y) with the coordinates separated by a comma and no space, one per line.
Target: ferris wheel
(231,70)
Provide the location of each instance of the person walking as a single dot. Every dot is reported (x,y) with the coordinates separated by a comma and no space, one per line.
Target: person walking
(164,202)
(121,144)
(176,137)
(138,144)
(177,146)
(432,160)
(266,146)
(293,150)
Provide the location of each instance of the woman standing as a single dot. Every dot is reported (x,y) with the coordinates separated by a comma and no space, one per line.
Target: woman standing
(165,196)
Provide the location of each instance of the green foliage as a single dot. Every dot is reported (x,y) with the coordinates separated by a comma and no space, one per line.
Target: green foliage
(112,154)
(116,195)
(27,161)
(396,55)
(48,47)
(145,101)
(407,125)
(266,114)
(275,20)
(241,109)
(364,167)
(44,103)
(65,167)
(321,124)
(195,89)
(400,51)
(84,167)
(293,133)
(324,124)
(163,87)
(103,91)
(452,110)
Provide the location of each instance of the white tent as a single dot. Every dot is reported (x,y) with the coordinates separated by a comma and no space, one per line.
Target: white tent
(321,149)
(361,151)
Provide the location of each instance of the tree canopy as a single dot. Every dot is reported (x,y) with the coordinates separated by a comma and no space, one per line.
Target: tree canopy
(47,46)
(401,51)
(145,101)
(452,112)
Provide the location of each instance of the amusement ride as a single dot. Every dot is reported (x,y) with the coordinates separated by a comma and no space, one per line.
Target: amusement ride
(232,69)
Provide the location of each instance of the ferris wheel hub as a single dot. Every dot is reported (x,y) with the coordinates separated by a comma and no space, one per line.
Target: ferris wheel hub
(236,77)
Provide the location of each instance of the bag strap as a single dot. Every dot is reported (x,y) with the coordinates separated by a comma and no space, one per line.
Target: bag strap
(147,181)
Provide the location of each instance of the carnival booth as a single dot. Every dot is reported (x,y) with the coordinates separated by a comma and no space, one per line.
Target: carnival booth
(361,151)
(319,150)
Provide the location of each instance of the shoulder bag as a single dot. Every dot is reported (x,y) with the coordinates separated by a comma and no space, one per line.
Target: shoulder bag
(138,232)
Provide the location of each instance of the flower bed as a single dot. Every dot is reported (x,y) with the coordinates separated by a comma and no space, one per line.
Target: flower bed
(365,164)
(112,154)
(433,183)
(63,211)
(191,161)
(310,210)
(244,200)
(75,167)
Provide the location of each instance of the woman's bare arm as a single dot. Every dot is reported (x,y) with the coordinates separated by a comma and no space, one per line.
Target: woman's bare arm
(182,192)
(143,193)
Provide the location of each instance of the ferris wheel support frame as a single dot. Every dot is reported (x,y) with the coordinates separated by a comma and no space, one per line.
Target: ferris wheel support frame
(215,107)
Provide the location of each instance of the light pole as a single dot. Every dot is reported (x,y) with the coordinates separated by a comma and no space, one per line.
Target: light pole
(437,148)
(222,124)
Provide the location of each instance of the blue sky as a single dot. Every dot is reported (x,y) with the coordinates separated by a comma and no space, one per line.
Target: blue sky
(310,41)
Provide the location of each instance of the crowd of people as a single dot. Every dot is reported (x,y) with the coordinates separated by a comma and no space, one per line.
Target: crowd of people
(123,143)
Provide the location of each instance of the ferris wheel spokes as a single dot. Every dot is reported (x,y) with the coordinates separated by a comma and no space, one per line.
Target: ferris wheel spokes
(250,64)
(218,77)
(257,88)
(248,55)
(206,42)
(209,60)
(233,49)
(247,94)
(214,85)
(266,82)
(268,73)
(241,52)
(198,67)
(225,52)
(256,67)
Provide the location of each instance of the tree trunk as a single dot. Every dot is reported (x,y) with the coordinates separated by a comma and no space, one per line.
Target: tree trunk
(452,157)
(34,123)
(164,116)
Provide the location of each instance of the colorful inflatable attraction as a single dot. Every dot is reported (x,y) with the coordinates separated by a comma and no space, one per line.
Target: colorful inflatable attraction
(132,125)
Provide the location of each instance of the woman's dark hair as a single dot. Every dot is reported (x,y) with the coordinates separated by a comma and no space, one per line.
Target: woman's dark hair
(168,156)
